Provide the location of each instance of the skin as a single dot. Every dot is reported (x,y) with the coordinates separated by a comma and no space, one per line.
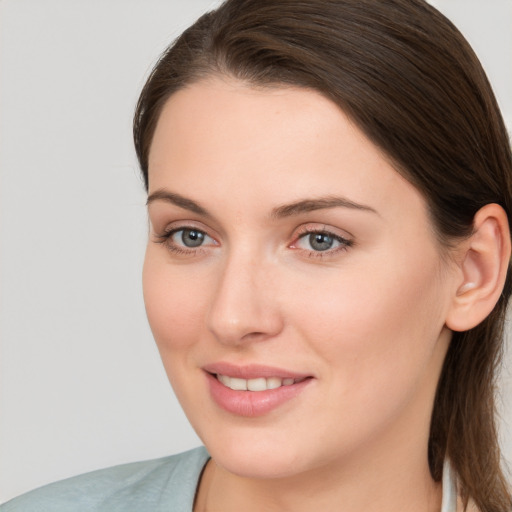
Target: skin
(366,319)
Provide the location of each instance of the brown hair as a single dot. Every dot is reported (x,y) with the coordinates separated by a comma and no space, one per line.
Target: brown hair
(414,86)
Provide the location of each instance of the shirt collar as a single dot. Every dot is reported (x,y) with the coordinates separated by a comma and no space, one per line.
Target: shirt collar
(449,503)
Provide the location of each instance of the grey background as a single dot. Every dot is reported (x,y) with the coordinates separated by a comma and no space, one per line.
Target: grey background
(81,383)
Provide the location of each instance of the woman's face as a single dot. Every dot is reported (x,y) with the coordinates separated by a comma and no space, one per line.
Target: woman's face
(287,255)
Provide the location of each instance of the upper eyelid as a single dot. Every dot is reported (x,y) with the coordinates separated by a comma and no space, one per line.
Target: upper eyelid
(173,231)
(186,224)
(169,233)
(341,239)
(311,227)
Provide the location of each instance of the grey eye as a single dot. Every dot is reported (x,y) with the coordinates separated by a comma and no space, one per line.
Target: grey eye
(320,241)
(190,237)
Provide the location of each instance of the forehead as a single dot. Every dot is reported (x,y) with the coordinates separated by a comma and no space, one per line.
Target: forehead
(222,138)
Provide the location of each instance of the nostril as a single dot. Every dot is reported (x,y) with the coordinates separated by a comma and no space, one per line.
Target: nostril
(253,335)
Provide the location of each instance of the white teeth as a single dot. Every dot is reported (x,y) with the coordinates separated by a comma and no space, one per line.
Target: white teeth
(258,384)
(274,383)
(237,384)
(224,379)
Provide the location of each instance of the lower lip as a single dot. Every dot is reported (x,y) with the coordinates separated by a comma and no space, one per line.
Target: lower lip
(252,403)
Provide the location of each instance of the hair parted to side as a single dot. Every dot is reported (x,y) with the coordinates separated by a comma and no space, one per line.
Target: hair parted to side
(411,82)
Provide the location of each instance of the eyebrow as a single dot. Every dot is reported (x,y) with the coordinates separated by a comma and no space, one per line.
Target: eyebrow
(321,203)
(286,210)
(177,200)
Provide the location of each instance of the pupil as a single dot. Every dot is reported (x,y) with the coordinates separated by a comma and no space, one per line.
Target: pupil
(192,238)
(320,241)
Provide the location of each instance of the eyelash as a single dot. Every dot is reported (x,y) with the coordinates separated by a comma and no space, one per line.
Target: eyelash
(166,236)
(345,244)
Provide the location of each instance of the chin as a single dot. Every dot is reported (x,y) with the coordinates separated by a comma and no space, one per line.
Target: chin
(257,462)
(261,452)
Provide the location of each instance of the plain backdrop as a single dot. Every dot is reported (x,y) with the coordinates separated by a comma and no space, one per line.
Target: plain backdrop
(81,383)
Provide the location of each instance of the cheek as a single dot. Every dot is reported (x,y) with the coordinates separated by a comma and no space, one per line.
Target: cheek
(377,325)
(175,303)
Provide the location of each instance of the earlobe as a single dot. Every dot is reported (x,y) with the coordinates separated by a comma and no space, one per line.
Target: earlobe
(483,265)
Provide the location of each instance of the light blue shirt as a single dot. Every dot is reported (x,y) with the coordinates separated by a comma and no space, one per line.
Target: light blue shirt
(161,485)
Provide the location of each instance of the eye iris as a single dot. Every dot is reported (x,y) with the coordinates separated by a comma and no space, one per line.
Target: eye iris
(320,241)
(192,237)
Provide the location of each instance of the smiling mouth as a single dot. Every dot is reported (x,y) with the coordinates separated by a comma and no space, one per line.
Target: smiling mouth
(256,384)
(253,390)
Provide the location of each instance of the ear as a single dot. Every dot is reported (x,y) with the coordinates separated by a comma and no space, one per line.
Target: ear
(483,263)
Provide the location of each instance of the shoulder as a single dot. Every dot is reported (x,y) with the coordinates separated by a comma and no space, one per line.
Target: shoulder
(168,483)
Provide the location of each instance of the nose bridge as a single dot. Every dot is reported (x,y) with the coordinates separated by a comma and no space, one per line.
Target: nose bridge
(242,307)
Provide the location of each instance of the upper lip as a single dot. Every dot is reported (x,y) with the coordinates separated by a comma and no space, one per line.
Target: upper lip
(252,371)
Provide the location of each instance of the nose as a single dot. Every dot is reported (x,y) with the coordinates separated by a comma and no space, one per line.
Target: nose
(245,303)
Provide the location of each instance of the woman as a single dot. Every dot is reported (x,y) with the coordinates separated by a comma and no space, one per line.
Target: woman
(327,271)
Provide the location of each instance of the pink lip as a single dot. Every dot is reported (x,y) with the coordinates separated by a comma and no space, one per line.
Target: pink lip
(252,403)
